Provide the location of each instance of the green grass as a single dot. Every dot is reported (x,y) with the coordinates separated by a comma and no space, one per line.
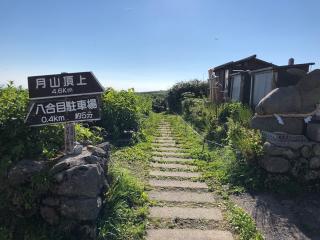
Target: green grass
(126,207)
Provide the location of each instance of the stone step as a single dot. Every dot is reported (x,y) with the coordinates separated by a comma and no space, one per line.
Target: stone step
(186,213)
(188,234)
(173,166)
(171,154)
(165,144)
(164,139)
(174,174)
(172,159)
(168,149)
(178,184)
(181,196)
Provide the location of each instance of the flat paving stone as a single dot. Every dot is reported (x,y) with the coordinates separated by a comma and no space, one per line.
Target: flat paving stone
(181,196)
(173,166)
(174,174)
(171,159)
(188,234)
(165,144)
(177,184)
(173,154)
(165,138)
(168,149)
(186,213)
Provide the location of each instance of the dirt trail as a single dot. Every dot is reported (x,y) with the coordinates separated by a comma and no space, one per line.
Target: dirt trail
(283,217)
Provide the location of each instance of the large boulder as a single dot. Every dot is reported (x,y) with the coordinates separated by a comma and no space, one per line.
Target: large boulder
(84,180)
(270,124)
(287,99)
(301,98)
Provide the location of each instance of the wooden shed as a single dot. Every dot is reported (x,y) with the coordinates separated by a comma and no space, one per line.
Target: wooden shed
(219,76)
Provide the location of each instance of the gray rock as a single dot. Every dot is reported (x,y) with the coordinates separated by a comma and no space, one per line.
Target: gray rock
(316,149)
(301,98)
(86,142)
(82,181)
(24,170)
(270,124)
(309,88)
(49,214)
(306,151)
(105,146)
(67,163)
(299,168)
(280,100)
(77,149)
(313,131)
(81,209)
(315,163)
(273,150)
(92,159)
(99,152)
(312,175)
(275,164)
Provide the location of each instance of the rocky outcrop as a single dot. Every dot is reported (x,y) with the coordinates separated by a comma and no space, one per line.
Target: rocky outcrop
(74,198)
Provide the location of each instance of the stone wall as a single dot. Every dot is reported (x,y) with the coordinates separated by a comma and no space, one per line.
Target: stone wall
(75,197)
(300,160)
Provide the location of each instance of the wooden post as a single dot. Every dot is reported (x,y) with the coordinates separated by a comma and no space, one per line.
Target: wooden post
(69,137)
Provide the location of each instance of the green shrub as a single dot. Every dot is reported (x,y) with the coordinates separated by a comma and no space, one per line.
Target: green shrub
(247,141)
(237,112)
(123,112)
(94,134)
(196,87)
(194,111)
(17,140)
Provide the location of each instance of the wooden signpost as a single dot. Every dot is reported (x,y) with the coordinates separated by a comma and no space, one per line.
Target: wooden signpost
(64,98)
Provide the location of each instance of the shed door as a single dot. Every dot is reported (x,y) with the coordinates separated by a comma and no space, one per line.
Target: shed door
(262,85)
(236,83)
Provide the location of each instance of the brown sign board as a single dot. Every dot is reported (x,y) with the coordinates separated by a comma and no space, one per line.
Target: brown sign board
(61,110)
(62,85)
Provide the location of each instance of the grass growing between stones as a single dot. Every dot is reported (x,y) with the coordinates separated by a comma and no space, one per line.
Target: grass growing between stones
(126,203)
(224,173)
(126,207)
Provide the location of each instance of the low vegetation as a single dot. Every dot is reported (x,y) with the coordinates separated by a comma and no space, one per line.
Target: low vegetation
(125,213)
(123,113)
(180,90)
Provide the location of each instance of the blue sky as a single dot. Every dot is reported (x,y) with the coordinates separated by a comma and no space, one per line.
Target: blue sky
(151,44)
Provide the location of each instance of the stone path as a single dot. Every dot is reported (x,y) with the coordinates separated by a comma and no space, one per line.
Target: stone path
(183,208)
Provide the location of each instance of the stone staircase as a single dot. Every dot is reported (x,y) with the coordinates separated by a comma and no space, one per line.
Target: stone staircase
(183,208)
